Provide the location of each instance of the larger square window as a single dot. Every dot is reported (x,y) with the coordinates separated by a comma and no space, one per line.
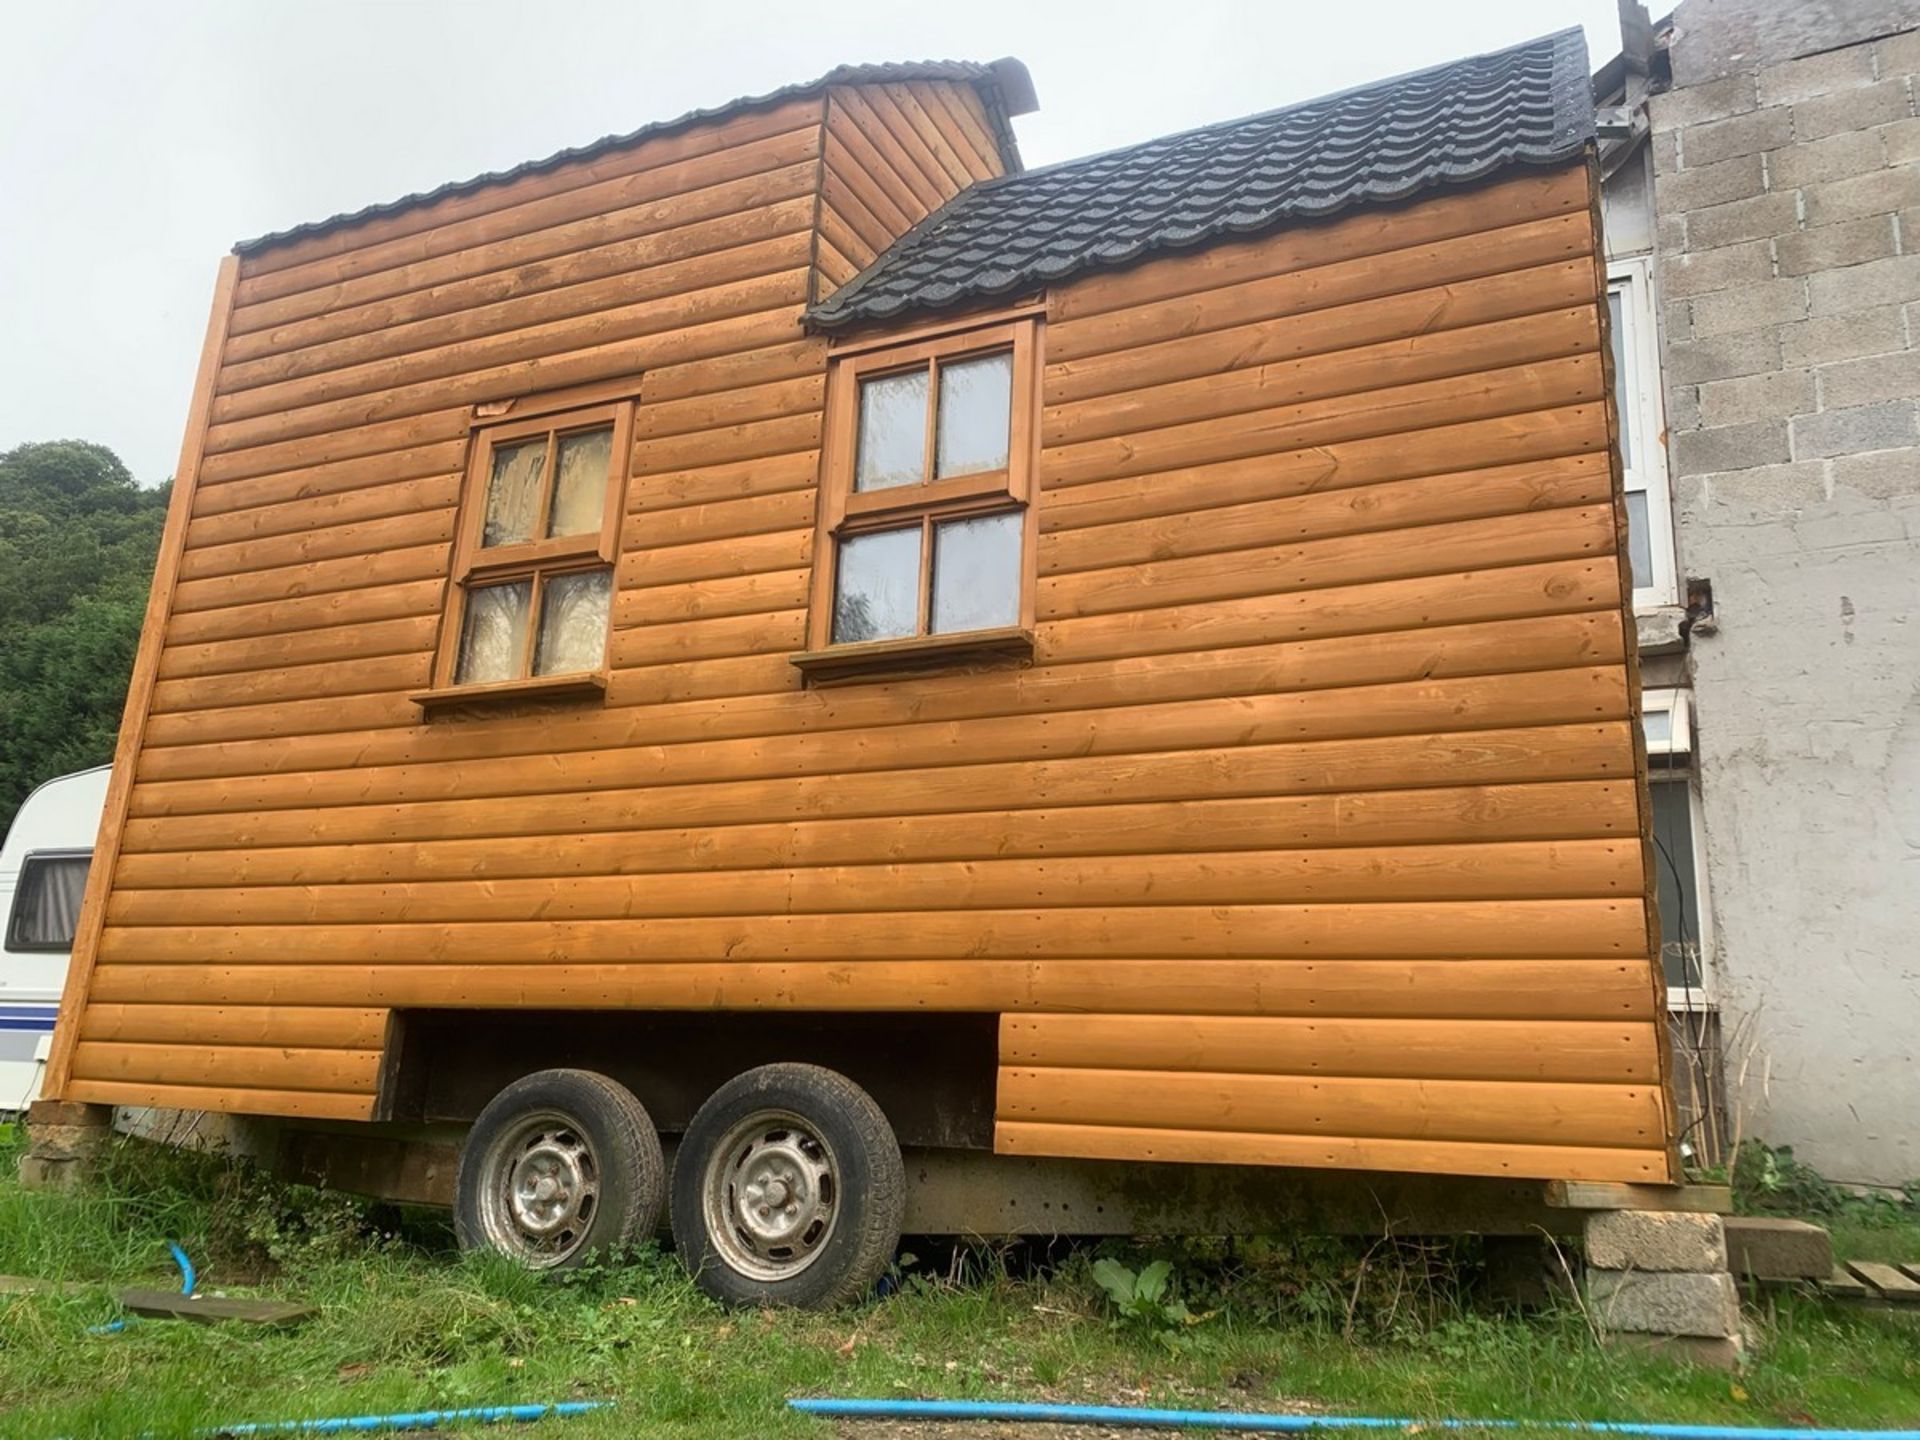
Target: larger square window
(925,543)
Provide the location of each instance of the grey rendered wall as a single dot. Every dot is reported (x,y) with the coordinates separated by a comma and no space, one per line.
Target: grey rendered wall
(1788,266)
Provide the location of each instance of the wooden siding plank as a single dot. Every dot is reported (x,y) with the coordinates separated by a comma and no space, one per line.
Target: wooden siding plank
(1459,281)
(1488,1050)
(695,146)
(322,1027)
(1392,505)
(1526,1113)
(1356,416)
(1445,652)
(295,1104)
(1530,1162)
(1554,929)
(256,1067)
(1469,447)
(678,229)
(377,501)
(1481,210)
(1540,810)
(843,772)
(1431,989)
(1509,871)
(765,243)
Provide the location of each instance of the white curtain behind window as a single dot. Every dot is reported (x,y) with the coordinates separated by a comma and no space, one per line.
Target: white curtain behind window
(48,909)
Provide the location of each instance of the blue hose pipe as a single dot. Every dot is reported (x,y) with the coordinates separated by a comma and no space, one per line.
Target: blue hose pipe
(415,1420)
(1119,1415)
(188,1280)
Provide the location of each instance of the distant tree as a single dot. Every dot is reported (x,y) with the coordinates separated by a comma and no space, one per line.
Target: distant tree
(77,543)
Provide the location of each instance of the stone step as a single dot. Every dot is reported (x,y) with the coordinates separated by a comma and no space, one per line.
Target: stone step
(1762,1247)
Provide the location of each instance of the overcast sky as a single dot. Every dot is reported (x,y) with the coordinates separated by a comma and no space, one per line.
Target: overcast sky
(138,141)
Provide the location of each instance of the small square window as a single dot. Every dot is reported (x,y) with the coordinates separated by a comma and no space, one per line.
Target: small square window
(533,573)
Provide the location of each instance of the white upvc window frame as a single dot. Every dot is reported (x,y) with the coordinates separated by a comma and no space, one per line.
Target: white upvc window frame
(1678,706)
(1637,393)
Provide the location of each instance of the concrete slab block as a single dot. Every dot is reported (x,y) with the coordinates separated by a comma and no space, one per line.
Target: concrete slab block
(1724,1352)
(1651,1303)
(1656,1240)
(1763,1247)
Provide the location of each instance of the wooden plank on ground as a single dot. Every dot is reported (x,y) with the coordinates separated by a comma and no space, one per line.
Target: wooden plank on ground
(172,1305)
(1887,1280)
(212,1309)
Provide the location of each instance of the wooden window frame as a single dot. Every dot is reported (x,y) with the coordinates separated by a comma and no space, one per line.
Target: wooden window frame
(845,513)
(538,561)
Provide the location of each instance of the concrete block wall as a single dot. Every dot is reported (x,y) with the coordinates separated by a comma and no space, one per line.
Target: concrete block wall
(1787,264)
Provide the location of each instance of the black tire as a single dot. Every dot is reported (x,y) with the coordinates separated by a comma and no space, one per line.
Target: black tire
(584,1135)
(720,1163)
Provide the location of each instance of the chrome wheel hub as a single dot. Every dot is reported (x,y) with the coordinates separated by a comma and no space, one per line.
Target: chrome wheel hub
(771,1196)
(541,1188)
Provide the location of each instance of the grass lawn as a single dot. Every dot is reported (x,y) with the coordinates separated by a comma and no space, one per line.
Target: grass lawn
(405,1324)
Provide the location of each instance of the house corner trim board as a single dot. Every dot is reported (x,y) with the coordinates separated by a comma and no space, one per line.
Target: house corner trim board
(146,666)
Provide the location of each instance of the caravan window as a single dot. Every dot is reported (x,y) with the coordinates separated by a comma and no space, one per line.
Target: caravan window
(46,903)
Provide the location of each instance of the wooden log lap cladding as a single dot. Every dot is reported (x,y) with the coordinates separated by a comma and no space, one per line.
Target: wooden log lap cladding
(1295,812)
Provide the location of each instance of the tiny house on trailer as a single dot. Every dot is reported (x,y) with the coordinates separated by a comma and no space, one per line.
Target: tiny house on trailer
(784,630)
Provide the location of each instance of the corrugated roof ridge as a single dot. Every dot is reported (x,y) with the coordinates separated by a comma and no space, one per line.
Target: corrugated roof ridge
(1564,90)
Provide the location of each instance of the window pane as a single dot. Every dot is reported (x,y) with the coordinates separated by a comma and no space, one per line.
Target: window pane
(1622,382)
(1639,543)
(1658,725)
(976,573)
(893,432)
(976,398)
(513,492)
(1679,895)
(493,636)
(584,465)
(573,623)
(877,593)
(46,907)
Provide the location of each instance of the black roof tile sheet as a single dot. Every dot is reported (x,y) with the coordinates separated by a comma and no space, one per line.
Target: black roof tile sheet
(1385,141)
(1003,85)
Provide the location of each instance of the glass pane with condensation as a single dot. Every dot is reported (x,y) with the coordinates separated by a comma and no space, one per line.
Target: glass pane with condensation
(573,623)
(493,637)
(976,573)
(1622,382)
(583,467)
(1639,543)
(877,593)
(976,400)
(513,492)
(1658,725)
(893,432)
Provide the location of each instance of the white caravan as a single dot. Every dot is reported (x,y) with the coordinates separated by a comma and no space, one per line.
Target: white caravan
(43,872)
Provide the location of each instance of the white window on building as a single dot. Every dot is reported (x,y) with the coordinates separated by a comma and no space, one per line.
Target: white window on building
(1679,849)
(1636,375)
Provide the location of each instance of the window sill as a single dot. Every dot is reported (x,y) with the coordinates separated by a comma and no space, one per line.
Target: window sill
(540,687)
(871,659)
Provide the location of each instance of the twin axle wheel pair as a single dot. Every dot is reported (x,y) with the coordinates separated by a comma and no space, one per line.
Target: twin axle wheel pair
(787,1188)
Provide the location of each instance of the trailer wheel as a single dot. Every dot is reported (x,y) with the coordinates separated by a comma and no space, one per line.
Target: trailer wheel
(561,1164)
(788,1190)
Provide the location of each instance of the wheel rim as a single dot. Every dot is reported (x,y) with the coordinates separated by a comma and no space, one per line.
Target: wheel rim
(540,1189)
(771,1195)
